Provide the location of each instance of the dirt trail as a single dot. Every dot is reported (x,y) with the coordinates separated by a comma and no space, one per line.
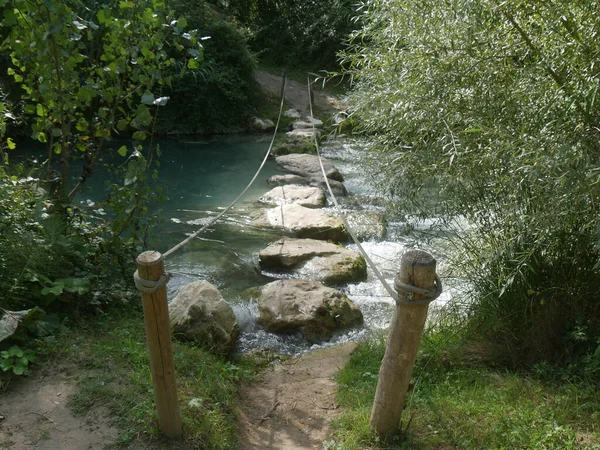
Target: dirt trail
(291,407)
(34,415)
(296,94)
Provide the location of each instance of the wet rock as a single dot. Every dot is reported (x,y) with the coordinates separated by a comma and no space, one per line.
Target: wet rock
(294,144)
(310,197)
(200,314)
(308,166)
(306,133)
(314,121)
(316,311)
(263,356)
(262,124)
(301,125)
(292,113)
(315,260)
(303,222)
(337,187)
(282,180)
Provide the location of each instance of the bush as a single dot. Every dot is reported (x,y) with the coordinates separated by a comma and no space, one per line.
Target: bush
(219,97)
(52,260)
(493,109)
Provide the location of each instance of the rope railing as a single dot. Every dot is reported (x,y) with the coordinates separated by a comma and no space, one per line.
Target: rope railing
(151,279)
(238,198)
(407,290)
(416,285)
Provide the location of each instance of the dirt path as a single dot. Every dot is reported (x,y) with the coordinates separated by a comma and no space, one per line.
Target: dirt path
(34,415)
(296,94)
(291,407)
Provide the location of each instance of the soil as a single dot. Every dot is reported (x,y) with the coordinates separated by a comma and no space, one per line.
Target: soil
(296,94)
(34,414)
(291,407)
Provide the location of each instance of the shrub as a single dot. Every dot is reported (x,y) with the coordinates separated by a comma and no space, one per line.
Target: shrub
(493,109)
(219,97)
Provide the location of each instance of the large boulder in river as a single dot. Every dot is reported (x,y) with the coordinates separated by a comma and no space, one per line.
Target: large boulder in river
(310,197)
(200,314)
(316,311)
(308,166)
(303,222)
(315,260)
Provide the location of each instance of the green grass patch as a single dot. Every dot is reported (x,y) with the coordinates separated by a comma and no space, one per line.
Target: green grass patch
(111,357)
(457,404)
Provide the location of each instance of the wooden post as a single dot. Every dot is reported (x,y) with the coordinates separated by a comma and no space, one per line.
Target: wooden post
(158,333)
(417,268)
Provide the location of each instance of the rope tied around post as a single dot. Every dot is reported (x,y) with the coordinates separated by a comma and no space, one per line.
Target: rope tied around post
(149,286)
(406,291)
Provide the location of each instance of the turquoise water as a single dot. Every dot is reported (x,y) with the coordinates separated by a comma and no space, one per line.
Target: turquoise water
(203,176)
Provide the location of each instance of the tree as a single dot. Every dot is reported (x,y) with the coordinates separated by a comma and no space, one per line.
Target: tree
(90,75)
(493,107)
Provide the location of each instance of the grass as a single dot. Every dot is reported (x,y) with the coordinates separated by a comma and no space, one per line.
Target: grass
(458,403)
(113,372)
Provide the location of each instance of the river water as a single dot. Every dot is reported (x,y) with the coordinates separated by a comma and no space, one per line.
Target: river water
(204,176)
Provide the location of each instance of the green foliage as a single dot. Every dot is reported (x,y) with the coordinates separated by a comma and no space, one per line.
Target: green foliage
(16,360)
(296,34)
(86,74)
(70,264)
(491,109)
(82,75)
(220,95)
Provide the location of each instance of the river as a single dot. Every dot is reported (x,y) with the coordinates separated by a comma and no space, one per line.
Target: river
(204,176)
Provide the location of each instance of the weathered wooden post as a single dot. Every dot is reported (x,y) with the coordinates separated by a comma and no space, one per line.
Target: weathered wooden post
(417,284)
(151,281)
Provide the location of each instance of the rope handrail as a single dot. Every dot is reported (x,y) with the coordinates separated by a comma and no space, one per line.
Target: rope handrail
(407,290)
(226,210)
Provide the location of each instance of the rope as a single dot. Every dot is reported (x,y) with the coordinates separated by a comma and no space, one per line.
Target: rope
(405,290)
(226,210)
(149,286)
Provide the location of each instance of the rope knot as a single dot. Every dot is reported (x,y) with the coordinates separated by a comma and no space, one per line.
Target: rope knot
(406,292)
(149,286)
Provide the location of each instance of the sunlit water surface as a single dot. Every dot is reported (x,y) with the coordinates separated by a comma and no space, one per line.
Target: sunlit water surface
(204,176)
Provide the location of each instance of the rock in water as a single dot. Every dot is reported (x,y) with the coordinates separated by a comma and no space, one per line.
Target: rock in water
(337,187)
(309,197)
(316,311)
(292,113)
(303,222)
(262,124)
(367,225)
(199,313)
(308,166)
(282,180)
(316,260)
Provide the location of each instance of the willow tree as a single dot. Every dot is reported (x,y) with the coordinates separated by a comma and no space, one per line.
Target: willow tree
(493,107)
